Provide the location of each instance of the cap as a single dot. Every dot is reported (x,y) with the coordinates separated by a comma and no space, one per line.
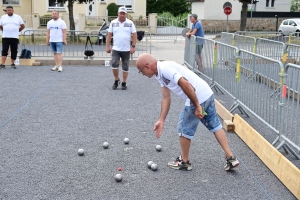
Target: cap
(122,9)
(194,15)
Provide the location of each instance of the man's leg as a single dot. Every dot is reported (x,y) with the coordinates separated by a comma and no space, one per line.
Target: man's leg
(185,144)
(56,59)
(5,46)
(115,66)
(14,50)
(222,139)
(199,58)
(125,56)
(59,59)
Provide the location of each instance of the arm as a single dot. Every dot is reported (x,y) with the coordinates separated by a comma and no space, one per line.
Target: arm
(191,32)
(165,107)
(21,27)
(64,36)
(134,38)
(190,92)
(108,39)
(48,37)
(1,27)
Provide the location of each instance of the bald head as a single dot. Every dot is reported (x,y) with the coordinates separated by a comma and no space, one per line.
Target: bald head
(146,64)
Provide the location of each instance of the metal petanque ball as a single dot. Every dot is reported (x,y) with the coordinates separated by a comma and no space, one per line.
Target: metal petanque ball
(149,164)
(126,141)
(80,152)
(154,167)
(158,148)
(118,177)
(105,145)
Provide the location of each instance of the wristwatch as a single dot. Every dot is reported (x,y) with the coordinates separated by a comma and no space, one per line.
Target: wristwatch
(133,46)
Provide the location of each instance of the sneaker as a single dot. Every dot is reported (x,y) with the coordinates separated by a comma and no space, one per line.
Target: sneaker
(2,66)
(115,85)
(60,69)
(13,66)
(232,162)
(55,68)
(124,87)
(179,164)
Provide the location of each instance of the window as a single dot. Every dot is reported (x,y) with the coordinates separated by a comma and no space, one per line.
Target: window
(292,23)
(11,2)
(286,22)
(126,3)
(267,3)
(272,3)
(53,4)
(102,1)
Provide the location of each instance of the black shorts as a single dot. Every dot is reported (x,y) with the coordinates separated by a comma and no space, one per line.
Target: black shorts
(13,44)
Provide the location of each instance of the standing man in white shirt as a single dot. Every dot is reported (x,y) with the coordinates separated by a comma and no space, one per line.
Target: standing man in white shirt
(56,38)
(11,24)
(199,106)
(121,29)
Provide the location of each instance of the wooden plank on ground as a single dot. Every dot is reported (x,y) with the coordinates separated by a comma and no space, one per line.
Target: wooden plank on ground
(223,112)
(22,62)
(285,171)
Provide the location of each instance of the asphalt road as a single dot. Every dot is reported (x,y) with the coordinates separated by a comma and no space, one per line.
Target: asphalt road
(45,117)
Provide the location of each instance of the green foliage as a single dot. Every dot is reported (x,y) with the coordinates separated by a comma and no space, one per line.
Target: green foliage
(294,5)
(167,19)
(176,7)
(112,9)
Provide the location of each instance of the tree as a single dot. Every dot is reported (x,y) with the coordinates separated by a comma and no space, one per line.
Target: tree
(244,14)
(112,9)
(295,5)
(70,8)
(176,7)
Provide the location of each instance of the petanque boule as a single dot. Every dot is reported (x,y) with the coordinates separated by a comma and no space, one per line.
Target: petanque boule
(126,141)
(158,148)
(105,145)
(80,152)
(154,167)
(118,177)
(149,164)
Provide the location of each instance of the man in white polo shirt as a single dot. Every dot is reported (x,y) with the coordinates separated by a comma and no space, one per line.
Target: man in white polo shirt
(11,24)
(121,29)
(199,106)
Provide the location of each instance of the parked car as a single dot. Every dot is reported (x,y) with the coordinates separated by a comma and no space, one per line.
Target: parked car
(289,26)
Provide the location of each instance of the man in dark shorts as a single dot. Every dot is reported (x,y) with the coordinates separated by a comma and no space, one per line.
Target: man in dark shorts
(121,29)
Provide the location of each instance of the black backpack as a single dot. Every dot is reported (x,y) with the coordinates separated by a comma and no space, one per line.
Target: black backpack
(25,53)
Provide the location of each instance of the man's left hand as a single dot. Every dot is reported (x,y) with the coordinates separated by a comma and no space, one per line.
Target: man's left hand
(65,42)
(132,50)
(198,112)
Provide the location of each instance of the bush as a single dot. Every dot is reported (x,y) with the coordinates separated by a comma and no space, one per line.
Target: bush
(167,19)
(45,19)
(112,9)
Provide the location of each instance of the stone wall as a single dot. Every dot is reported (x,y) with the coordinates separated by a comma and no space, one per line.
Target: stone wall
(258,24)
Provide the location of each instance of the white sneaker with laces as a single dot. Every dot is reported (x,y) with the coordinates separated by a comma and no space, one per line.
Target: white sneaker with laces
(60,69)
(55,68)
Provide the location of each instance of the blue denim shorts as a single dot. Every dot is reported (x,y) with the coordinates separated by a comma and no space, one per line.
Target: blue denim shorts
(56,47)
(188,122)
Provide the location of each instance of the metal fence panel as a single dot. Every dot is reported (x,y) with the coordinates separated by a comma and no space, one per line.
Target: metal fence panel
(190,52)
(291,104)
(270,48)
(227,38)
(245,42)
(293,53)
(224,72)
(257,94)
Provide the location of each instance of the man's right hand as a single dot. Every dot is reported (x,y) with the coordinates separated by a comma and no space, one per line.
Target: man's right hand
(188,35)
(158,128)
(48,43)
(108,50)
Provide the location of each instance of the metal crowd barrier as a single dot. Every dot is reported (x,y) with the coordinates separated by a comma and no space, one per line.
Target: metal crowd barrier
(245,42)
(35,41)
(227,38)
(293,53)
(257,83)
(270,48)
(190,52)
(290,98)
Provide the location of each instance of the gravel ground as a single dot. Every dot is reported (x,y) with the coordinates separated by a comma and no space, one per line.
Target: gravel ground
(45,117)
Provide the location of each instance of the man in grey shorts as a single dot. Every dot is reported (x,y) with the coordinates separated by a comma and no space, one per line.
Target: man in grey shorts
(121,29)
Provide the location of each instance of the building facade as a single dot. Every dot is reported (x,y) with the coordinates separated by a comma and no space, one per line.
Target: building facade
(273,6)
